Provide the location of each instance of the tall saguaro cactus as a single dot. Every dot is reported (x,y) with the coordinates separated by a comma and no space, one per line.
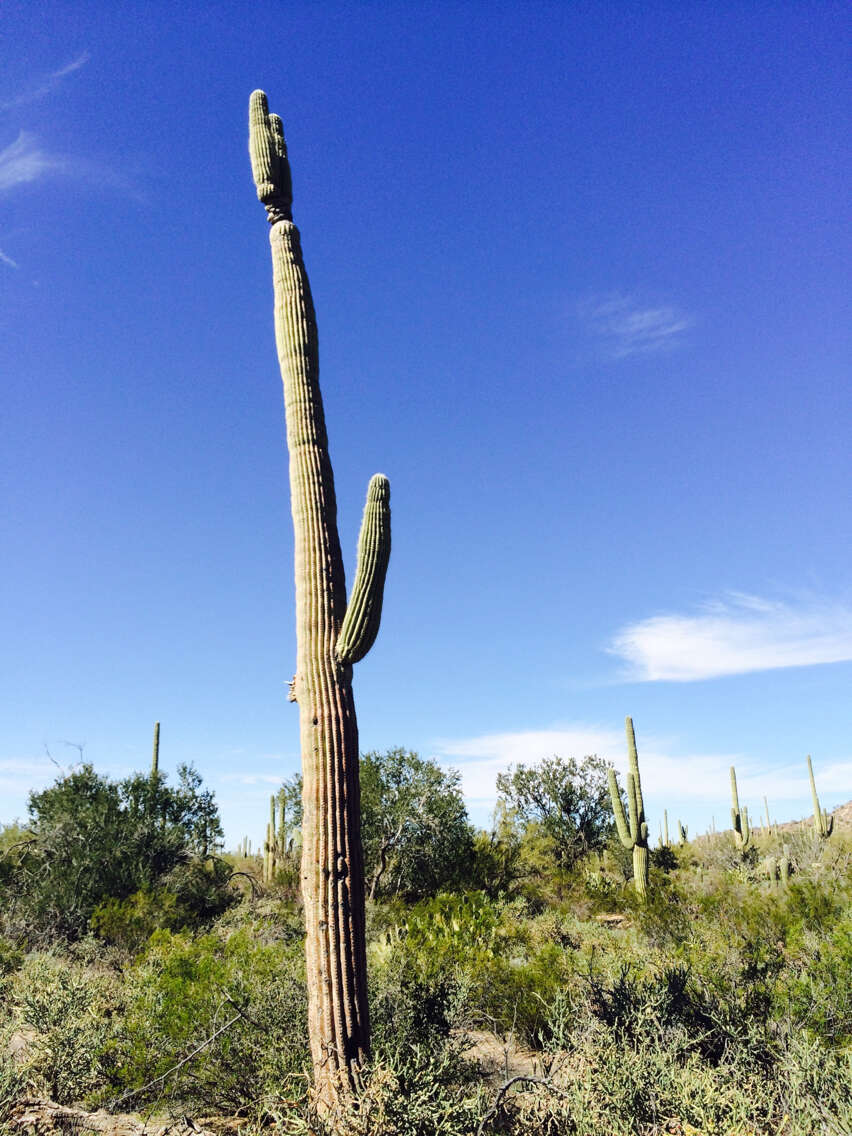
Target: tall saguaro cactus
(739,817)
(331,636)
(155,757)
(632,830)
(823,823)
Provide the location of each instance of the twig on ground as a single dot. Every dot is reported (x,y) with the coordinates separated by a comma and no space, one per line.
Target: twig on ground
(156,1081)
(504,1088)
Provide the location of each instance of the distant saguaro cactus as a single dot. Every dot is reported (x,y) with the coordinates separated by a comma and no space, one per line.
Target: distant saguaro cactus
(823,823)
(331,636)
(155,757)
(682,830)
(632,830)
(739,817)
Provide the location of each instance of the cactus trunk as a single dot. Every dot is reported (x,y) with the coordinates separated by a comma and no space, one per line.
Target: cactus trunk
(155,757)
(739,817)
(632,829)
(823,823)
(332,867)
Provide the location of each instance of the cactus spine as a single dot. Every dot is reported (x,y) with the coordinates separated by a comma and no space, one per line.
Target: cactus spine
(823,823)
(155,758)
(633,832)
(331,636)
(739,817)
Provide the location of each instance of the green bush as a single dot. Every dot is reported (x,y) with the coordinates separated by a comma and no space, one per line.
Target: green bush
(60,1017)
(182,991)
(91,839)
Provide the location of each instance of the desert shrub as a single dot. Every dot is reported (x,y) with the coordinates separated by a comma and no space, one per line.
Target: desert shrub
(91,839)
(413,1093)
(11,957)
(818,993)
(59,1016)
(130,922)
(182,991)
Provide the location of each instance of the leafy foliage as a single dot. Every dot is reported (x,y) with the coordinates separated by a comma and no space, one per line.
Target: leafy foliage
(567,799)
(414,825)
(90,839)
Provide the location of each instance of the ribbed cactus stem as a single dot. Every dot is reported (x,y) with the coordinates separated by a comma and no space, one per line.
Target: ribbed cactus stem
(739,817)
(823,823)
(665,827)
(282,827)
(330,638)
(632,829)
(785,867)
(682,831)
(155,757)
(361,623)
(766,809)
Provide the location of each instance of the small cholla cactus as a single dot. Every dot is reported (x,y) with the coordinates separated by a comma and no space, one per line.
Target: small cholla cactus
(739,817)
(633,832)
(823,823)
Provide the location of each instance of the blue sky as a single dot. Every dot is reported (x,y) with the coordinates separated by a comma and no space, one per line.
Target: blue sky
(581,274)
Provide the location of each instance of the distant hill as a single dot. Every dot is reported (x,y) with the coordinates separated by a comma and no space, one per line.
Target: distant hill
(842,819)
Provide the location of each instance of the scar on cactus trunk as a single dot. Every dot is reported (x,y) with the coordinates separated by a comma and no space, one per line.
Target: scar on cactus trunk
(331,636)
(632,829)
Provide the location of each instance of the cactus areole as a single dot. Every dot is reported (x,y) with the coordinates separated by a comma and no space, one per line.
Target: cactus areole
(331,636)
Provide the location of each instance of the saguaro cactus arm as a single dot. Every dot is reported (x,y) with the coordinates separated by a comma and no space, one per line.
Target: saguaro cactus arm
(364,611)
(621,822)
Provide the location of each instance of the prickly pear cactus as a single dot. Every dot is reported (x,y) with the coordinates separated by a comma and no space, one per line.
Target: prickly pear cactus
(331,636)
(632,830)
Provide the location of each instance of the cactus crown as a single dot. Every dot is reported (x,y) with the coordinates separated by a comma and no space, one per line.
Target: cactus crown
(269,163)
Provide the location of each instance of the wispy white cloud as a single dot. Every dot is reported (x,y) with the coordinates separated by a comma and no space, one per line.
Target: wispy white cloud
(44,85)
(24,160)
(20,774)
(670,772)
(8,260)
(737,635)
(624,325)
(253,778)
(480,759)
